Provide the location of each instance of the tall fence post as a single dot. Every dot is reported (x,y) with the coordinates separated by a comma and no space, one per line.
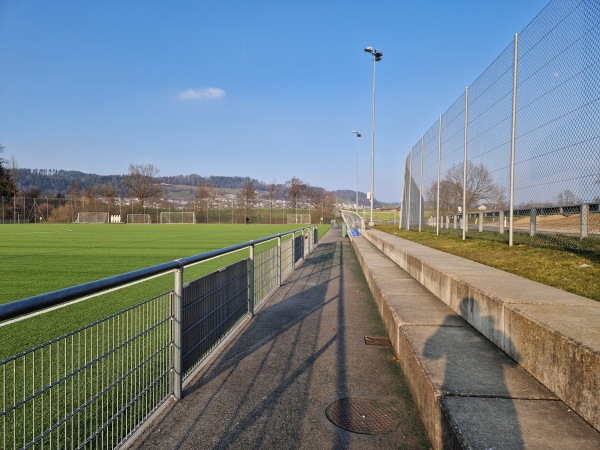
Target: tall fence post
(584,220)
(403,198)
(465,221)
(512,141)
(251,281)
(408,218)
(279,249)
(421,189)
(293,251)
(437,208)
(177,309)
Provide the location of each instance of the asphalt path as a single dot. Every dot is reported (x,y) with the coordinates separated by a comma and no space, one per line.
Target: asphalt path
(294,363)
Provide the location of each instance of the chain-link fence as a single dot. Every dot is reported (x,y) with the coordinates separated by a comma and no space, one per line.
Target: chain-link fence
(518,154)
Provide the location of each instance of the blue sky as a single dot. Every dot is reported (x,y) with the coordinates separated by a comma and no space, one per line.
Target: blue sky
(266,89)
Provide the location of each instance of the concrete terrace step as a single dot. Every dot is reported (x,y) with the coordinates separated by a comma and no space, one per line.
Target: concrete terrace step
(470,393)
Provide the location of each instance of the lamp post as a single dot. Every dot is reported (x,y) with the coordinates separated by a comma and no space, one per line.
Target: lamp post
(377,55)
(357,136)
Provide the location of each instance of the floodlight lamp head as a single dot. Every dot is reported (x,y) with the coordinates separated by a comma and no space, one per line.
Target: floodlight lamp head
(369,49)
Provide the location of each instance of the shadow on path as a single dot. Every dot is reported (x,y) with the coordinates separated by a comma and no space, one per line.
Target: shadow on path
(303,350)
(475,377)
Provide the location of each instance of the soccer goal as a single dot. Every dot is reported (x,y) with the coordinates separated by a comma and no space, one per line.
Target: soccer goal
(298,218)
(138,218)
(92,217)
(177,217)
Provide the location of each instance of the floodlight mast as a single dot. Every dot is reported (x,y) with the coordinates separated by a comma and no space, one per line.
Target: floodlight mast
(377,55)
(357,136)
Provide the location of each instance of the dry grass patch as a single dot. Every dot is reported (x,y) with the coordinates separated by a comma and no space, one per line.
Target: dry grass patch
(573,271)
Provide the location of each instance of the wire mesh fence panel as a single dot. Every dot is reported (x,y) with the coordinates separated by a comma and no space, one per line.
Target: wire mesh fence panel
(287,260)
(298,248)
(414,188)
(265,273)
(558,132)
(452,157)
(489,139)
(430,175)
(212,305)
(91,388)
(544,90)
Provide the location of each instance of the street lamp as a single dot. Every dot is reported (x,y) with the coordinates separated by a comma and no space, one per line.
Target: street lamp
(357,135)
(377,55)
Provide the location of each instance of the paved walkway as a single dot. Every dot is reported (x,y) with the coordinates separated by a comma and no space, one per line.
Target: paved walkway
(303,351)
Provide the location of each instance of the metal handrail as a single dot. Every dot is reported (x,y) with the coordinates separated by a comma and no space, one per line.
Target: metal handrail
(354,221)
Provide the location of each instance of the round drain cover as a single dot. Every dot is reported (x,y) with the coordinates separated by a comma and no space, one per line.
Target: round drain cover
(363,415)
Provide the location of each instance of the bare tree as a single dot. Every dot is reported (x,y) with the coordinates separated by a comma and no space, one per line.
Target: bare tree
(205,194)
(273,192)
(296,188)
(317,197)
(567,198)
(109,192)
(142,183)
(328,206)
(248,196)
(480,186)
(498,198)
(14,174)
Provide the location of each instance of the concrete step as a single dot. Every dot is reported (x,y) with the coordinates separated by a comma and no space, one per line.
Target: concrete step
(470,393)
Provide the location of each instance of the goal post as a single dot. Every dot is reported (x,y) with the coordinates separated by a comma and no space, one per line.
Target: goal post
(298,218)
(92,217)
(180,217)
(138,218)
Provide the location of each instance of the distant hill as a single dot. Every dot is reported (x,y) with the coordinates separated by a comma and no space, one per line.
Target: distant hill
(58,183)
(61,183)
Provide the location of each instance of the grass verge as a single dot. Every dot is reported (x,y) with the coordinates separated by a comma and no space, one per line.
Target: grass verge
(575,271)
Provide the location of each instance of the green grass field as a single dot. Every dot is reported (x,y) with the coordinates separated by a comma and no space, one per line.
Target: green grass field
(36,258)
(39,258)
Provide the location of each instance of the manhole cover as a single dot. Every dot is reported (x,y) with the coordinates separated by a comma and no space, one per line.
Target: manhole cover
(363,416)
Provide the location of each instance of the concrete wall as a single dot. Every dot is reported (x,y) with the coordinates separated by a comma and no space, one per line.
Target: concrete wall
(553,335)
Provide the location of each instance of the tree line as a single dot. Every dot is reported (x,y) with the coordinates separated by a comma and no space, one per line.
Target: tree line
(61,183)
(143,184)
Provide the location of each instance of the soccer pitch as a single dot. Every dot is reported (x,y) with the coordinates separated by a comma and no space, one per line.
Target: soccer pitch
(35,259)
(39,258)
